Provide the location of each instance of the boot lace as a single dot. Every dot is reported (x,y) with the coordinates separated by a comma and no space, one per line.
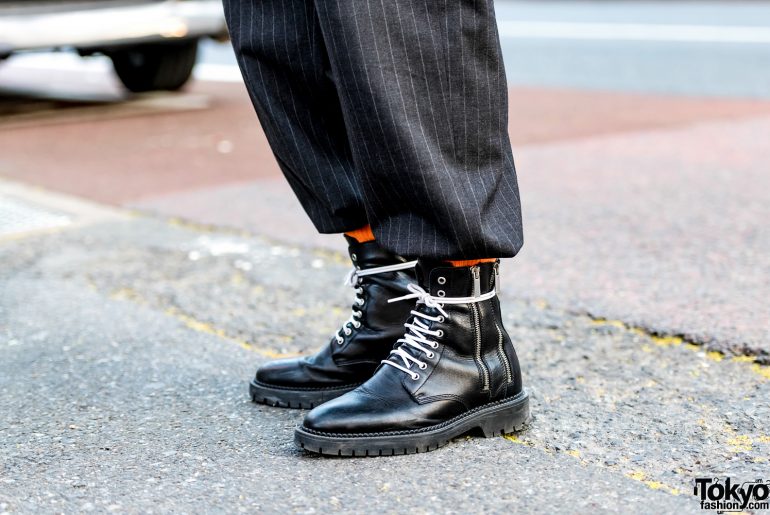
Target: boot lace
(418,331)
(353,279)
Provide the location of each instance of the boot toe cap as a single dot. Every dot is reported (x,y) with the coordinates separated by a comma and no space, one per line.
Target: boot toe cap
(282,372)
(360,412)
(339,415)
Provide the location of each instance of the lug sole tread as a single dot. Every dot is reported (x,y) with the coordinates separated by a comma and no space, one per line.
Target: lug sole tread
(492,421)
(294,399)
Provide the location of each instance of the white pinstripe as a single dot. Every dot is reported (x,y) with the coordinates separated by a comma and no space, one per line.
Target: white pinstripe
(502,134)
(351,113)
(417,160)
(425,139)
(342,168)
(376,110)
(298,119)
(358,145)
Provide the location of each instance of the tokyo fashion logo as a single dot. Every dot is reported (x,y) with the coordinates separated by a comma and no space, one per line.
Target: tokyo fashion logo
(724,495)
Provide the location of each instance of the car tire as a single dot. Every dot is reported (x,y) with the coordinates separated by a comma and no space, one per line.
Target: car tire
(155,66)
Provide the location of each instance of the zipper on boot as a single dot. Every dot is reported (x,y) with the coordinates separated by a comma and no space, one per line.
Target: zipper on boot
(500,348)
(476,271)
(503,356)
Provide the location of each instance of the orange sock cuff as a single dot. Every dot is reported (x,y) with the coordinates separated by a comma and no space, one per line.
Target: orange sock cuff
(362,235)
(365,234)
(471,262)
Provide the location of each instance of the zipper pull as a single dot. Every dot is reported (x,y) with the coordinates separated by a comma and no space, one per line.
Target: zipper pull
(476,280)
(497,277)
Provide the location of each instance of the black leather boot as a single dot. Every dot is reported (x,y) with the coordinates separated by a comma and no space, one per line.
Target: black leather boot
(356,350)
(455,371)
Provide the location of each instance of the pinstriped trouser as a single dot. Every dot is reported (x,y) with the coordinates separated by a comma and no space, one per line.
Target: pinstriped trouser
(387,112)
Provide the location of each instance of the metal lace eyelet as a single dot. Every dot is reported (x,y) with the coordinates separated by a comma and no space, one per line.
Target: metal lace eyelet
(423,366)
(347,331)
(353,257)
(415,377)
(442,280)
(441,293)
(434,345)
(440,319)
(430,355)
(440,333)
(356,324)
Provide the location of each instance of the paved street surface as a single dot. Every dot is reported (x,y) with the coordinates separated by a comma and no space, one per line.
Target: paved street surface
(127,344)
(151,257)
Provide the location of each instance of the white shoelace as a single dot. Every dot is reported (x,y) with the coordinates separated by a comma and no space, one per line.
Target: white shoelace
(352,279)
(418,331)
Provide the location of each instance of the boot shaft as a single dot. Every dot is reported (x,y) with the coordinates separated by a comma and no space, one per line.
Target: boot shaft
(376,289)
(475,330)
(357,348)
(370,254)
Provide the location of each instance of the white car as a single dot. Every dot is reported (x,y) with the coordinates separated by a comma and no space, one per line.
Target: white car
(153,44)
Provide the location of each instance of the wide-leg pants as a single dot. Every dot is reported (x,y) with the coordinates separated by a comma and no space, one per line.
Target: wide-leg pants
(391,113)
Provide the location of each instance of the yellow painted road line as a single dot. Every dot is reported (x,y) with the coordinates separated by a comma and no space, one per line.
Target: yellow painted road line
(200,326)
(763,371)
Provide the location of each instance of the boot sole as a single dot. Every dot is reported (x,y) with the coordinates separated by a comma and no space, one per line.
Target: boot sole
(493,419)
(282,397)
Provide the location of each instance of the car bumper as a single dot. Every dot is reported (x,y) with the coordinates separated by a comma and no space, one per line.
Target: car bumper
(111,26)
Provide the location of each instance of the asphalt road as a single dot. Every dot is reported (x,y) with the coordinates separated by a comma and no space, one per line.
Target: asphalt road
(126,344)
(716,48)
(631,46)
(669,47)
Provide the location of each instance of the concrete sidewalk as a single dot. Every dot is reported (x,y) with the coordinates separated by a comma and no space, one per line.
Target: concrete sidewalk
(126,343)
